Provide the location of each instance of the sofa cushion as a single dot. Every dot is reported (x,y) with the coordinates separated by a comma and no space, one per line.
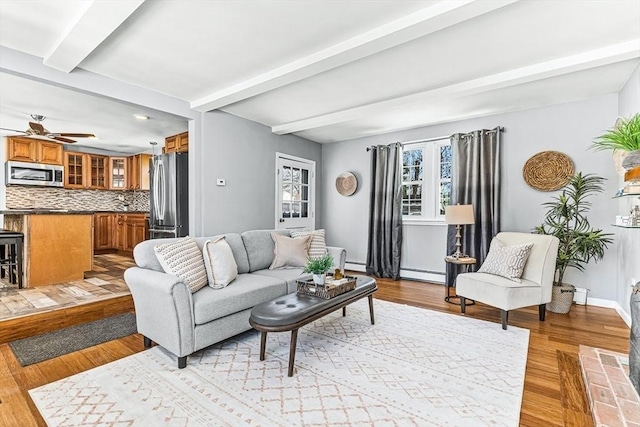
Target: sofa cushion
(506,261)
(259,246)
(289,275)
(183,258)
(219,262)
(245,292)
(318,246)
(290,252)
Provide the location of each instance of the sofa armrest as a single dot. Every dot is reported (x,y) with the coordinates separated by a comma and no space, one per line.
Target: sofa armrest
(164,309)
(339,257)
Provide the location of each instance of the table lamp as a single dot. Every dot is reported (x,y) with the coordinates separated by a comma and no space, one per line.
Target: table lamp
(458,215)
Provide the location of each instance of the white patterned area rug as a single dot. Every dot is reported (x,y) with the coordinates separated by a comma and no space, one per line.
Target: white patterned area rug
(414,367)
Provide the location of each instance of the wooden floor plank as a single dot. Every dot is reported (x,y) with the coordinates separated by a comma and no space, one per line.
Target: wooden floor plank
(551,394)
(574,401)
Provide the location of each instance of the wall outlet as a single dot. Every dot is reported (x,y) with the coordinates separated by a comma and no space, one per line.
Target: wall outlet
(221,182)
(121,198)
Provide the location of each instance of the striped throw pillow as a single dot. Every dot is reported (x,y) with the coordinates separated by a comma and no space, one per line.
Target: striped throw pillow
(318,247)
(183,258)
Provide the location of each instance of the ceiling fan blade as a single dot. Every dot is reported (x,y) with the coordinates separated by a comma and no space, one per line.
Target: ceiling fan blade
(61,139)
(75,135)
(38,128)
(15,130)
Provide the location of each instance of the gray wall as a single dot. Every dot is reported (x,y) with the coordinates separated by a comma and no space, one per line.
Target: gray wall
(244,154)
(568,128)
(628,239)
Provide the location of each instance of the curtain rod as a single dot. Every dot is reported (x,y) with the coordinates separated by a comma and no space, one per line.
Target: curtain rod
(438,138)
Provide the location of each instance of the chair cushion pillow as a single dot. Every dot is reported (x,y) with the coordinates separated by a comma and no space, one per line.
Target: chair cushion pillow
(290,252)
(318,246)
(219,262)
(506,261)
(183,258)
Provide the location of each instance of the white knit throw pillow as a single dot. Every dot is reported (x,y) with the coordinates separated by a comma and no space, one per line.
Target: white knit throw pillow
(183,258)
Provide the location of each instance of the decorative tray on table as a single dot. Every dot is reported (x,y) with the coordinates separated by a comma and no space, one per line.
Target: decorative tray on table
(331,288)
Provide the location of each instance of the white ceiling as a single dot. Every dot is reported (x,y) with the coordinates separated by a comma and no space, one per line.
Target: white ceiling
(325,70)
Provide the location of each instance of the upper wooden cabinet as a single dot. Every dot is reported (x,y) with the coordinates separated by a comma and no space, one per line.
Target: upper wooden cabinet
(75,169)
(85,171)
(177,143)
(34,150)
(138,171)
(118,172)
(99,172)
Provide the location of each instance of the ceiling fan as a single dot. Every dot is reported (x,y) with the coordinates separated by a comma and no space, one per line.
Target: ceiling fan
(36,129)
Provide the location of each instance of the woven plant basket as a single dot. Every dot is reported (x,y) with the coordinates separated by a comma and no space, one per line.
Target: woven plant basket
(561,298)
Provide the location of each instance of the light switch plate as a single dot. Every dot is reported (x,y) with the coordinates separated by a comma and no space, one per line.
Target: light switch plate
(221,182)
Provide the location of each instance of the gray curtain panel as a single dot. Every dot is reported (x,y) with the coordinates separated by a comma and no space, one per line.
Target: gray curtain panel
(385,212)
(475,180)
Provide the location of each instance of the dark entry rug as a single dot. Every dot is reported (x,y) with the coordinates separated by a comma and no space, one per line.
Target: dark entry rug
(57,343)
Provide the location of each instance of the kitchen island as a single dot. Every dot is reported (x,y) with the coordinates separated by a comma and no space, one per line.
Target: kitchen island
(58,244)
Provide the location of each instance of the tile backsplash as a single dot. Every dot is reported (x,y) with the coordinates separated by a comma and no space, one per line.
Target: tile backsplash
(29,197)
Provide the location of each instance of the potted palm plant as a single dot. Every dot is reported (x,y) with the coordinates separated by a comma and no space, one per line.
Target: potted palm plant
(319,267)
(566,218)
(624,137)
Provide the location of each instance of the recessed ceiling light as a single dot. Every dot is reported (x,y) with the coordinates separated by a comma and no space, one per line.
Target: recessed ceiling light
(141,117)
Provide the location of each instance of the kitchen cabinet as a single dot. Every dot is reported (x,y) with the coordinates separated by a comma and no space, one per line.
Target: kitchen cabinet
(118,173)
(85,171)
(130,229)
(34,151)
(57,246)
(103,230)
(98,172)
(75,167)
(177,143)
(138,172)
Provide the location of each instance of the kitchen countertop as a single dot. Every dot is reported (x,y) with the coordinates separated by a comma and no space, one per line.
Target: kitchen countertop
(60,212)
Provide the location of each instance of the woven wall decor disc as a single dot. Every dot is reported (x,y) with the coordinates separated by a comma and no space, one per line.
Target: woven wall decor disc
(346,183)
(548,170)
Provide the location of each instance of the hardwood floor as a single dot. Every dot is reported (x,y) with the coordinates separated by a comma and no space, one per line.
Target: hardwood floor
(553,392)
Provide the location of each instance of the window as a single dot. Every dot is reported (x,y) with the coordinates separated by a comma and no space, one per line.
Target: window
(426,179)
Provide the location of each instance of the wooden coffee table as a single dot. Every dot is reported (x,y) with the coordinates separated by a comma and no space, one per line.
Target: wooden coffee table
(293,311)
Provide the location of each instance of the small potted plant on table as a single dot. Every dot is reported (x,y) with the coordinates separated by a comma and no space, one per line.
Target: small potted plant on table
(319,267)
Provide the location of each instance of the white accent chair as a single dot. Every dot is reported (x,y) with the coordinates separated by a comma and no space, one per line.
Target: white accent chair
(537,278)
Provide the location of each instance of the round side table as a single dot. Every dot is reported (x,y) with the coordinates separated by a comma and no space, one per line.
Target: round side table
(462,263)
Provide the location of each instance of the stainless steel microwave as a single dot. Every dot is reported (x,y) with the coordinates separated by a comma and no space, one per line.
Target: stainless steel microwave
(23,173)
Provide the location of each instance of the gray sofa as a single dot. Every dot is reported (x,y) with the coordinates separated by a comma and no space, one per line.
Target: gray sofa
(183,323)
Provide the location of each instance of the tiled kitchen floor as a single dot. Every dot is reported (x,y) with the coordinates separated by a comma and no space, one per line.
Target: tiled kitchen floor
(104,281)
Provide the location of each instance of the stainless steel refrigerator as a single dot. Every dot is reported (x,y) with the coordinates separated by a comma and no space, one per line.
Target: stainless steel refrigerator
(169,174)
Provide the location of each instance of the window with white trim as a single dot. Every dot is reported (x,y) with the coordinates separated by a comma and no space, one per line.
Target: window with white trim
(426,179)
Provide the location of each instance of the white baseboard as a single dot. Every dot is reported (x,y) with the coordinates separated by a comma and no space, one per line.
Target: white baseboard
(423,276)
(606,303)
(439,278)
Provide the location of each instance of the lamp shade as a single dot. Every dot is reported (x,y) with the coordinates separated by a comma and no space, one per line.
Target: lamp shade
(459,214)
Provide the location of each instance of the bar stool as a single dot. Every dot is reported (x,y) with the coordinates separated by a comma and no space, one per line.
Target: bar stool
(11,258)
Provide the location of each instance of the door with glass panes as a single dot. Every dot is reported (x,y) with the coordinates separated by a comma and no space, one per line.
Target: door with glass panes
(295,198)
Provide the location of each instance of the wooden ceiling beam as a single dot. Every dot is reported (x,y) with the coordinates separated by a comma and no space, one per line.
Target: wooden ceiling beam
(441,15)
(556,67)
(97,23)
